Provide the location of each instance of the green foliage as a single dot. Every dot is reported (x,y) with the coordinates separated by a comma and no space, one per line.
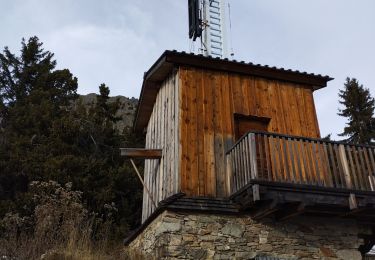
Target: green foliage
(359,109)
(327,138)
(47,134)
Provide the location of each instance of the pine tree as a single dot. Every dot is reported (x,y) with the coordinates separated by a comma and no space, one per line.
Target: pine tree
(47,134)
(359,109)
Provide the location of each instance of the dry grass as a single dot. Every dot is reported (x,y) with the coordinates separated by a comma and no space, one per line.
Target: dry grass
(79,245)
(59,228)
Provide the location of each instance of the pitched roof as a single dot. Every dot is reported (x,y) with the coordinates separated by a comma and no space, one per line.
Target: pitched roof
(171,59)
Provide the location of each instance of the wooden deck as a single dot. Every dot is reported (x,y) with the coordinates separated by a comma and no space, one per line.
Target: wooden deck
(288,175)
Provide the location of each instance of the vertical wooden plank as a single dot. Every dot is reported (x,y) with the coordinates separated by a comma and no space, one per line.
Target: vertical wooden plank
(275,166)
(292,159)
(238,167)
(267,153)
(242,166)
(284,153)
(210,187)
(184,130)
(330,174)
(363,169)
(369,170)
(299,166)
(235,82)
(310,154)
(234,179)
(274,125)
(280,156)
(352,167)
(302,114)
(294,111)
(311,114)
(165,132)
(345,166)
(261,159)
(371,154)
(157,143)
(194,139)
(326,175)
(253,154)
(340,166)
(316,161)
(234,171)
(247,158)
(358,168)
(281,110)
(372,173)
(245,94)
(260,100)
(178,133)
(169,135)
(201,106)
(287,114)
(146,178)
(218,135)
(316,130)
(305,161)
(153,163)
(162,143)
(266,106)
(227,119)
(193,146)
(251,98)
(229,173)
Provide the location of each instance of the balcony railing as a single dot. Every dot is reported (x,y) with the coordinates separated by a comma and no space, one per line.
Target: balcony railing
(260,156)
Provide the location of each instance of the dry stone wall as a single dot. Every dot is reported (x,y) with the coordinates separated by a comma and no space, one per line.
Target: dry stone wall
(204,236)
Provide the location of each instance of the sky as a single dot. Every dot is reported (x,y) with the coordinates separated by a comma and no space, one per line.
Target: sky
(116,41)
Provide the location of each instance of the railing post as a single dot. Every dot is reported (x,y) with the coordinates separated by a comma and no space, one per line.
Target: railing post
(229,173)
(345,166)
(253,156)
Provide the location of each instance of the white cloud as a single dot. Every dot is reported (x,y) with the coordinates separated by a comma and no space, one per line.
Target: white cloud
(115,41)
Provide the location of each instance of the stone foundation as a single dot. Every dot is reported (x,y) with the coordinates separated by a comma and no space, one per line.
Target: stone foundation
(206,236)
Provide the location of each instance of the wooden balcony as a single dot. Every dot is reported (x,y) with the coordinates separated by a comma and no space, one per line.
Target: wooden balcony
(283,176)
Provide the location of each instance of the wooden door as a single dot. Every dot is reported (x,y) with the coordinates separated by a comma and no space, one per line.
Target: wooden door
(245,124)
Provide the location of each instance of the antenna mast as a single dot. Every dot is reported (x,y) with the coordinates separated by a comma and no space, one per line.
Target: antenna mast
(214,33)
(210,26)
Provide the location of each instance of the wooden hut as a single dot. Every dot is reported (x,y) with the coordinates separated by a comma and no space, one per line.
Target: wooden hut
(220,129)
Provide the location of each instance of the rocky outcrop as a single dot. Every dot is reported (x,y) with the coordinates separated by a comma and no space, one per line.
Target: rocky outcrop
(126,111)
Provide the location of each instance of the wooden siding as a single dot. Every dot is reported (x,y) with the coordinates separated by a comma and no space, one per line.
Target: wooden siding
(162,175)
(208,101)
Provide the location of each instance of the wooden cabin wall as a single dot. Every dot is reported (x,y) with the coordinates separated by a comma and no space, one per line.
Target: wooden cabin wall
(162,176)
(208,102)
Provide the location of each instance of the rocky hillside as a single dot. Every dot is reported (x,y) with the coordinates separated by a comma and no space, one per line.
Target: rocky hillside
(126,111)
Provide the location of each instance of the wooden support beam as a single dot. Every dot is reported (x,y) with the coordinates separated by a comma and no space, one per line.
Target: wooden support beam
(290,211)
(140,153)
(143,183)
(256,193)
(265,210)
(352,201)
